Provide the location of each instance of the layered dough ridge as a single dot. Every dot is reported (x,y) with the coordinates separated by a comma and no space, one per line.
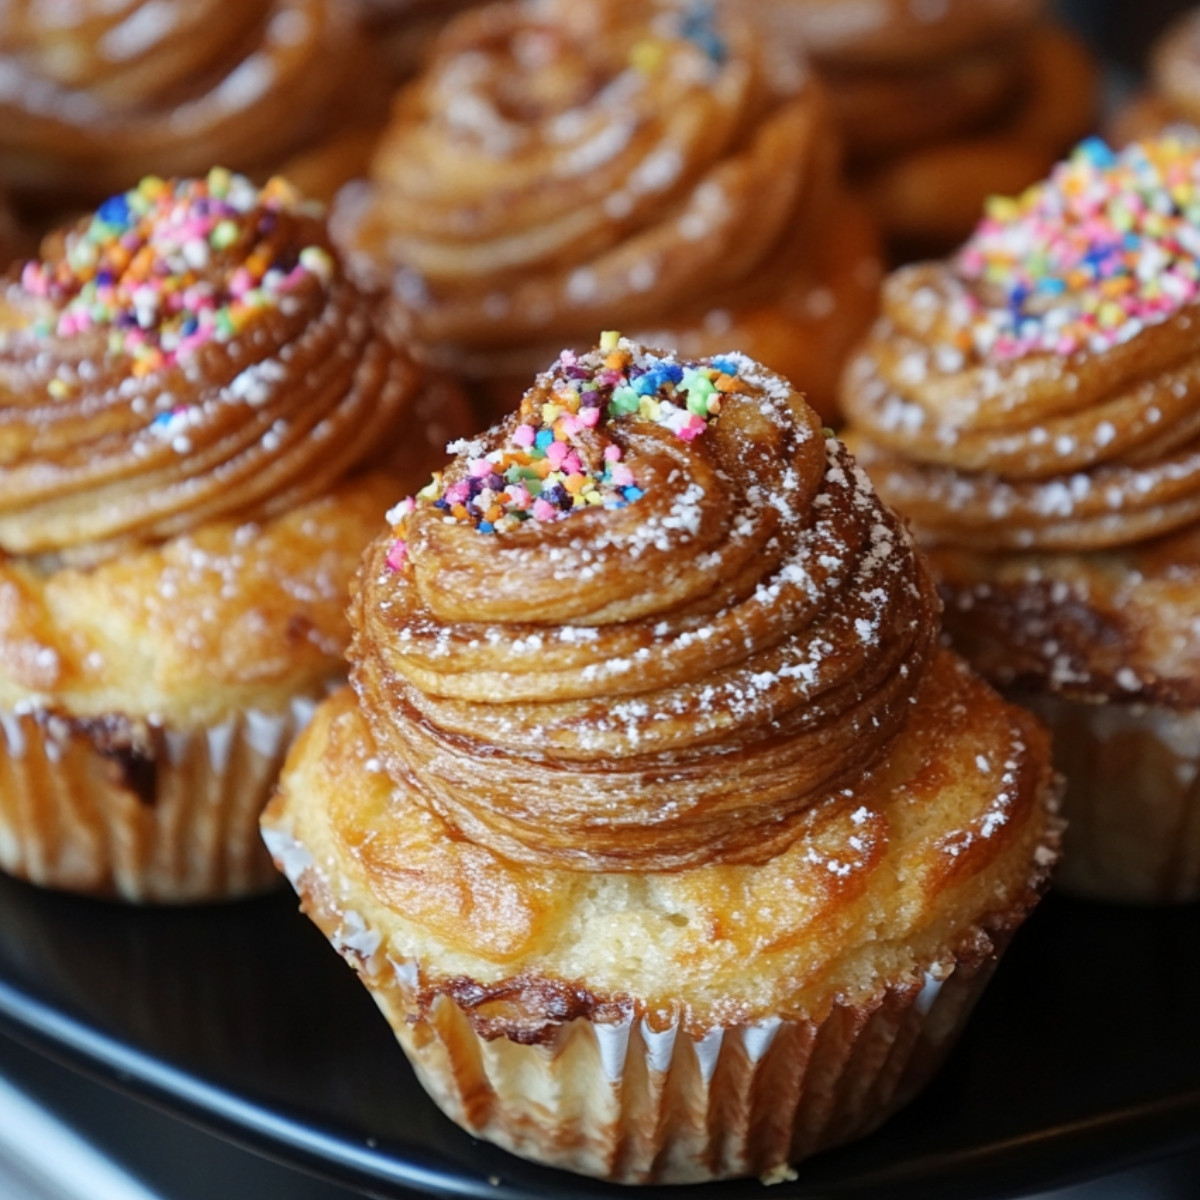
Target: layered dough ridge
(671,677)
(557,164)
(1057,415)
(202,358)
(95,95)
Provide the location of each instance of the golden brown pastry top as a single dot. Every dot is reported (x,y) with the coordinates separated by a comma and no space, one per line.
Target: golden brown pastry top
(95,95)
(648,621)
(190,352)
(1038,391)
(558,163)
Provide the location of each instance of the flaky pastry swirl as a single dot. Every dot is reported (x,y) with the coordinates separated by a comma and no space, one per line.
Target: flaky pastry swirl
(95,95)
(1058,414)
(559,164)
(656,681)
(193,351)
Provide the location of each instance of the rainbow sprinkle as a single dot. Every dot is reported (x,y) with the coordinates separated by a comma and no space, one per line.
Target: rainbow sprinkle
(1109,244)
(544,472)
(168,266)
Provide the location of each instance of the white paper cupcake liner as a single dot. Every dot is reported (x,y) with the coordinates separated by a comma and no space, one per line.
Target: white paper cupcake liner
(171,818)
(1132,801)
(634,1103)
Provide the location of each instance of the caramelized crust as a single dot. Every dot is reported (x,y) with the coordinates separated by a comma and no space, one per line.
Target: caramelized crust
(950,833)
(558,164)
(97,95)
(600,692)
(1042,452)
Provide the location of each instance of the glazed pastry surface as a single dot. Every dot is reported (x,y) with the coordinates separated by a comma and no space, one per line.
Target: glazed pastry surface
(96,95)
(732,628)
(557,164)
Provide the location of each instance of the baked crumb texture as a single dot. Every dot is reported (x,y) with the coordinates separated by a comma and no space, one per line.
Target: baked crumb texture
(663,833)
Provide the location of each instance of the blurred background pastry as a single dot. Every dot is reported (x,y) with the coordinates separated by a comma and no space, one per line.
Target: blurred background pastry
(943,103)
(94,95)
(557,165)
(1033,406)
(661,828)
(200,420)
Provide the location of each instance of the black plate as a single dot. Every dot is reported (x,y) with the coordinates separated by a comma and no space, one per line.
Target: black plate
(1084,1055)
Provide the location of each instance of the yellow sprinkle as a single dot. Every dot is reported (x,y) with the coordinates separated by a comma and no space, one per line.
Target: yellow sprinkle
(1002,208)
(609,339)
(433,489)
(550,413)
(647,55)
(648,408)
(593,497)
(152,187)
(58,388)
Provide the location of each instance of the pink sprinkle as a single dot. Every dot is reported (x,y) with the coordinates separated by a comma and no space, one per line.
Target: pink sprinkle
(397,554)
(479,468)
(518,495)
(589,418)
(692,428)
(544,511)
(33,279)
(569,424)
(612,452)
(571,464)
(568,358)
(622,476)
(556,453)
(458,493)
(525,435)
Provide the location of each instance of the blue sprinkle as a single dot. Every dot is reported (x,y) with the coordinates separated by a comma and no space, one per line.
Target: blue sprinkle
(544,438)
(633,493)
(114,210)
(1096,150)
(725,365)
(646,385)
(673,371)
(486,527)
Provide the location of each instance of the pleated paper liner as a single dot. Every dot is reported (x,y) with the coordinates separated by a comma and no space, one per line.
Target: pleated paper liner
(145,813)
(635,1103)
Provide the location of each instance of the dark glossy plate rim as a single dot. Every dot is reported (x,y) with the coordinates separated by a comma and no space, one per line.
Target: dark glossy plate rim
(1051,1157)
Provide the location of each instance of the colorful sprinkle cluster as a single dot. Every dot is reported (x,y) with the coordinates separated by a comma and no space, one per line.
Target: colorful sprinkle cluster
(168,266)
(543,472)
(1109,244)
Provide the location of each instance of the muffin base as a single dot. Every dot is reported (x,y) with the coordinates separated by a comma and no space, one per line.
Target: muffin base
(647,1099)
(1132,801)
(140,811)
